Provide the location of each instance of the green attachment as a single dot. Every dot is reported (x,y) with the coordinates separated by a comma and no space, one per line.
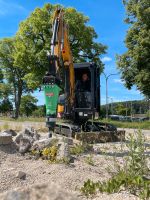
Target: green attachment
(51,93)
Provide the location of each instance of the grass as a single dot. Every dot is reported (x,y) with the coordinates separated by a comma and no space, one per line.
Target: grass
(89,160)
(23,119)
(137,125)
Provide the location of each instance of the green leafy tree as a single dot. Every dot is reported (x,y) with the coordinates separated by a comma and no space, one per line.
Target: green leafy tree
(6,106)
(39,112)
(5,91)
(11,73)
(28,105)
(134,64)
(34,36)
(121,109)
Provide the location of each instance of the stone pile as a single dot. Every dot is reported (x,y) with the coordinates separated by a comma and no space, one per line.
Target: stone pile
(30,140)
(26,139)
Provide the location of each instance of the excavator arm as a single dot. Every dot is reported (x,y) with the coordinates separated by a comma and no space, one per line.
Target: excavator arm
(60,59)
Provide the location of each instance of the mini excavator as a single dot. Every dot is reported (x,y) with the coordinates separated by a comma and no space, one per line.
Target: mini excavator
(62,84)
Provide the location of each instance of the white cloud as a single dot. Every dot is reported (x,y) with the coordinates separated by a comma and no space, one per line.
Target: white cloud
(116,80)
(106,59)
(10,8)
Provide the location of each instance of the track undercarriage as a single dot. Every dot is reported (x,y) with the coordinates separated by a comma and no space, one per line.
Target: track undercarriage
(90,132)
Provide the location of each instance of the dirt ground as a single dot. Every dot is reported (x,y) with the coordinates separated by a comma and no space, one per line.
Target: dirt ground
(71,177)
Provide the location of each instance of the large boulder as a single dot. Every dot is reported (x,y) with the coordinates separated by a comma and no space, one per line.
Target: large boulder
(40,192)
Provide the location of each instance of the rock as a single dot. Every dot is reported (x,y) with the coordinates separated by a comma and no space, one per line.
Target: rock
(36,136)
(8,148)
(63,150)
(40,192)
(24,145)
(21,175)
(5,138)
(29,132)
(10,132)
(41,144)
(18,138)
(26,139)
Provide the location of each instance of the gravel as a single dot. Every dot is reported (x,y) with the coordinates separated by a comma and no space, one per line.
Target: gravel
(69,177)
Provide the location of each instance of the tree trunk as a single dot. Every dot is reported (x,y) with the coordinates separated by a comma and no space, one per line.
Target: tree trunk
(18,99)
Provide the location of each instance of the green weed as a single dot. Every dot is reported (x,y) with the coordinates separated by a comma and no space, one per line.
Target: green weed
(89,160)
(80,149)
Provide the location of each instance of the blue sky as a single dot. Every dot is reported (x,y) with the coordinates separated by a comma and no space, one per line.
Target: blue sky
(106,16)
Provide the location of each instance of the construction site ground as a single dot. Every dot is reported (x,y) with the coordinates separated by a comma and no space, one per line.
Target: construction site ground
(70,177)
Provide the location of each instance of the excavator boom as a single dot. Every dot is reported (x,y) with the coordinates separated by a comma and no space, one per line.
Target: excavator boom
(60,59)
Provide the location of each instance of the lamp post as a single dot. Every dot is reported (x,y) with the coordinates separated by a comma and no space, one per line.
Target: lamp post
(106,79)
(111,104)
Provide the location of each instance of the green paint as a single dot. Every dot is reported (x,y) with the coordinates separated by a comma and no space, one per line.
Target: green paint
(51,93)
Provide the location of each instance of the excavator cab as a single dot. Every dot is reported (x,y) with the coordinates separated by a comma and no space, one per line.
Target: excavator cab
(87,93)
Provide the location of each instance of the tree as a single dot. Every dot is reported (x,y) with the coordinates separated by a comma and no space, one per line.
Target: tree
(34,36)
(6,106)
(28,105)
(135,63)
(39,112)
(121,109)
(12,73)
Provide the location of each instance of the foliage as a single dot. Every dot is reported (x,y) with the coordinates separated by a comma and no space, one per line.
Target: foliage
(138,107)
(135,63)
(89,160)
(34,36)
(79,149)
(122,110)
(6,106)
(132,176)
(39,112)
(11,73)
(50,153)
(135,125)
(28,105)
(5,90)
(1,76)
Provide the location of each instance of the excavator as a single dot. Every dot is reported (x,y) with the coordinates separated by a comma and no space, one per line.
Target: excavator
(71,90)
